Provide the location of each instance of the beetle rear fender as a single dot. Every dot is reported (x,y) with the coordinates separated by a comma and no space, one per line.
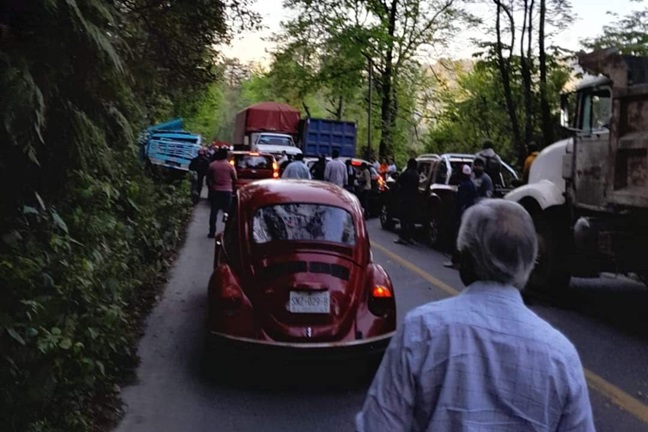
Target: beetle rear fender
(230,310)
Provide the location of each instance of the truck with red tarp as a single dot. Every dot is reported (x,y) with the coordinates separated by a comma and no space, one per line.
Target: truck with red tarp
(268,127)
(273,127)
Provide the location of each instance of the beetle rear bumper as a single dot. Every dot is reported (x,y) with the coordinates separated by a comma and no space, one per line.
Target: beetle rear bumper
(238,346)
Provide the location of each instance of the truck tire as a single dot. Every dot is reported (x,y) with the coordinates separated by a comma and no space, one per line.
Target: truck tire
(550,273)
(386,220)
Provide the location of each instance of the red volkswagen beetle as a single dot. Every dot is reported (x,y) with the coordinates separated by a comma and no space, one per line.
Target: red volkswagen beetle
(293,273)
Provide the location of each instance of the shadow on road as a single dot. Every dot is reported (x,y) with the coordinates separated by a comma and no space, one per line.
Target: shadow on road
(618,302)
(261,375)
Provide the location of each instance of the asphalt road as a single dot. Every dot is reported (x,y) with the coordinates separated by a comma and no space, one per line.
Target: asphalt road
(605,318)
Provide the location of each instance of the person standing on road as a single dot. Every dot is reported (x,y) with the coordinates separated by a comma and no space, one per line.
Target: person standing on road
(317,170)
(221,178)
(533,153)
(352,180)
(335,171)
(364,186)
(466,197)
(391,168)
(297,169)
(200,165)
(481,180)
(408,183)
(481,360)
(287,161)
(492,162)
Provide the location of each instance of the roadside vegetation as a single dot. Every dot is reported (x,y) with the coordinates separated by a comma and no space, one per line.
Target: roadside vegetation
(85,233)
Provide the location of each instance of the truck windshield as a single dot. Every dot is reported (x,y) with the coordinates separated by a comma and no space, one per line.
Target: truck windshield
(596,110)
(306,222)
(275,140)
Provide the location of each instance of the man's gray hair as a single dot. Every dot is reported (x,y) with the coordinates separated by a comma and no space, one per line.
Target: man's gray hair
(501,238)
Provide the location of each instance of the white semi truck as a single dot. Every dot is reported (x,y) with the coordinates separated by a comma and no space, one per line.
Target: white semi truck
(588,194)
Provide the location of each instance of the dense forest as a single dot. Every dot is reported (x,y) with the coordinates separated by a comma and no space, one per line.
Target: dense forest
(86,233)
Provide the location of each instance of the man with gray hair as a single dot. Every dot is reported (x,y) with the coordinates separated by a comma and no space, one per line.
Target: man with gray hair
(481,360)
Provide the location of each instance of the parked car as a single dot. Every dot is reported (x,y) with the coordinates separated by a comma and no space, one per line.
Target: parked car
(253,166)
(378,184)
(293,274)
(439,178)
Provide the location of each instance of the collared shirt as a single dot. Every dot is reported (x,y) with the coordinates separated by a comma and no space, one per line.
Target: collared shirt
(480,361)
(336,172)
(221,176)
(296,170)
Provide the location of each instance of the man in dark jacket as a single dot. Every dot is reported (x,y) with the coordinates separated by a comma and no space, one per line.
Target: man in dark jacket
(466,197)
(317,170)
(409,183)
(199,164)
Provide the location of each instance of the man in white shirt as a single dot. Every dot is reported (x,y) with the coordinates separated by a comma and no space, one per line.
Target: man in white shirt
(297,169)
(481,361)
(336,171)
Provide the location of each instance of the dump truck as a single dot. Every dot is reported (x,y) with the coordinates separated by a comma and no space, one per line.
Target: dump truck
(588,194)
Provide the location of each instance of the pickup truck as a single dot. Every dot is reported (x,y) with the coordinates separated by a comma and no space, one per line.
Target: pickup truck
(439,180)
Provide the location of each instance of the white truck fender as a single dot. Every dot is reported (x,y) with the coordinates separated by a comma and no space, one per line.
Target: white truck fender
(544,192)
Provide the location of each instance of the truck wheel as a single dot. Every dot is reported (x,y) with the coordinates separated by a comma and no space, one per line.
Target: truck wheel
(550,273)
(386,221)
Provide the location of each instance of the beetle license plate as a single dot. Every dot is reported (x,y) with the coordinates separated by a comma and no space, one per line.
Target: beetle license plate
(309,302)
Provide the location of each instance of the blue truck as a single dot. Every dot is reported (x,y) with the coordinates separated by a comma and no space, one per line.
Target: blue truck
(321,136)
(169,145)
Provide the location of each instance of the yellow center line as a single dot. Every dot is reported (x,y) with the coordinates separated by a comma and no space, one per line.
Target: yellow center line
(594,381)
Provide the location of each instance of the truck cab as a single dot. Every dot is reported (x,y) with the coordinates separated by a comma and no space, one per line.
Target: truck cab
(274,143)
(588,194)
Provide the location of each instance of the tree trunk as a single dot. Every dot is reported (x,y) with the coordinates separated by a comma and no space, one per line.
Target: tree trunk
(545,110)
(525,62)
(386,109)
(505,71)
(340,108)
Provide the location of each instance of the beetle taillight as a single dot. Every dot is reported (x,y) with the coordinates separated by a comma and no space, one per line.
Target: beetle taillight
(275,170)
(380,291)
(381,301)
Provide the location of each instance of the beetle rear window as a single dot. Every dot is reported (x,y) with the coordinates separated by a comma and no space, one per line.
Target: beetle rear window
(303,222)
(253,162)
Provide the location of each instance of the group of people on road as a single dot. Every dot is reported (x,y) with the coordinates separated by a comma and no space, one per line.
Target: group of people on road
(342,174)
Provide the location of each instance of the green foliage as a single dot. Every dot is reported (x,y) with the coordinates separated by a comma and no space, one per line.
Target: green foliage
(72,277)
(84,232)
(629,34)
(475,110)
